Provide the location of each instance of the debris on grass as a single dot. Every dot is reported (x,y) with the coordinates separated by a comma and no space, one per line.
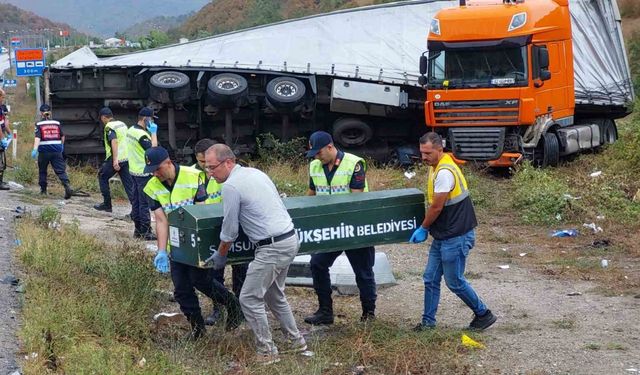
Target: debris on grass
(471,343)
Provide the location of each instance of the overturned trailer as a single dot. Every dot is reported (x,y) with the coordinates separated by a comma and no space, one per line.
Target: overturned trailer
(353,73)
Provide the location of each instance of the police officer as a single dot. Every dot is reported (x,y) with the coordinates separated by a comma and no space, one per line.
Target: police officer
(336,172)
(171,187)
(116,160)
(451,220)
(140,137)
(214,195)
(6,134)
(48,147)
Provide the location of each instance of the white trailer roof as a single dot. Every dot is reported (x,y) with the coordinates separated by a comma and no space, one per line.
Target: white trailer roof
(379,43)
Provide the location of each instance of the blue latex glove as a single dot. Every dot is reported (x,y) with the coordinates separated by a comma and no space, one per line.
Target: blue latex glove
(34,153)
(161,261)
(217,260)
(9,136)
(419,235)
(152,127)
(4,142)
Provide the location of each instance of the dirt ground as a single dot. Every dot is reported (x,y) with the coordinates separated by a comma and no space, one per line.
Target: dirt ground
(541,329)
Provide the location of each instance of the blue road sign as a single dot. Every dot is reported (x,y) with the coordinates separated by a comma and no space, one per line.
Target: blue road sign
(10,83)
(29,62)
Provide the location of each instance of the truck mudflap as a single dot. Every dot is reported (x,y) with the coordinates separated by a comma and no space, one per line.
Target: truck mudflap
(322,224)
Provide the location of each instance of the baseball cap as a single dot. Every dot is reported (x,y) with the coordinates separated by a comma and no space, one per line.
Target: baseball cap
(147,112)
(317,141)
(45,108)
(106,111)
(153,157)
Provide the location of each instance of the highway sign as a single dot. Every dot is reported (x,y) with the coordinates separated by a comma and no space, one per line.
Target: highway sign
(29,62)
(10,83)
(15,42)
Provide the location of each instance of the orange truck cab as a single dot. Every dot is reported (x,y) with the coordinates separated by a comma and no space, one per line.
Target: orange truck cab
(500,84)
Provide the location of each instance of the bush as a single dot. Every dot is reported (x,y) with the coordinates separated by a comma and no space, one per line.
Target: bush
(271,150)
(538,195)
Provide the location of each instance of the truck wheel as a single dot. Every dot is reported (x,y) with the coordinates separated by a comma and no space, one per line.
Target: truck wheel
(226,89)
(351,132)
(609,132)
(285,92)
(550,148)
(169,87)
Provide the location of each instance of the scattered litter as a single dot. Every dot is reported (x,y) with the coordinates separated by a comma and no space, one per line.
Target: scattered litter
(20,210)
(523,254)
(142,362)
(232,367)
(504,249)
(20,288)
(596,174)
(600,217)
(574,294)
(504,267)
(10,279)
(337,364)
(17,372)
(593,227)
(558,217)
(565,233)
(471,343)
(632,370)
(604,263)
(409,174)
(169,316)
(1,219)
(61,203)
(570,197)
(307,353)
(18,242)
(601,243)
(358,370)
(288,185)
(33,355)
(14,185)
(283,195)
(152,247)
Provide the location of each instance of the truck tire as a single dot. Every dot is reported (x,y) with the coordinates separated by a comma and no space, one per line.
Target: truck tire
(285,92)
(609,132)
(226,89)
(169,87)
(351,132)
(550,150)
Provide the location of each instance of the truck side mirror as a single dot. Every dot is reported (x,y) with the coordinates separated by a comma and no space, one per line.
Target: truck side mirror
(422,80)
(545,75)
(543,58)
(423,64)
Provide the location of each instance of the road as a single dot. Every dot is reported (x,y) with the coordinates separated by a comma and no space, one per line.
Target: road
(8,299)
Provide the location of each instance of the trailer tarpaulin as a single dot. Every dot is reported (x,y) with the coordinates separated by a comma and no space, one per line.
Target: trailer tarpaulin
(378,43)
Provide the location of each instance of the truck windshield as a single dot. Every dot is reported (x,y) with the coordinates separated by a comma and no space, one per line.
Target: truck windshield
(466,68)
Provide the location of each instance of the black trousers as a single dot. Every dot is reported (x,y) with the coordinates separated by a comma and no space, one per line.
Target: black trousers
(106,172)
(186,279)
(59,167)
(238,274)
(140,205)
(361,260)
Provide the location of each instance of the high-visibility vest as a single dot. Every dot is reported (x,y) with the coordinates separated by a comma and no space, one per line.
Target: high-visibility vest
(135,151)
(341,179)
(457,216)
(182,194)
(214,189)
(121,134)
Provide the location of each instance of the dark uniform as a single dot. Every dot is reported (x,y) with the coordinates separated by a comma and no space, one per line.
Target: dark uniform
(106,171)
(50,152)
(139,205)
(186,278)
(361,259)
(3,156)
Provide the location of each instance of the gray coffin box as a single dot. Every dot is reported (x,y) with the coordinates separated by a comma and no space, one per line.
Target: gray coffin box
(342,277)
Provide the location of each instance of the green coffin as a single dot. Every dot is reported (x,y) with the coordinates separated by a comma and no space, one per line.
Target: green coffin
(323,224)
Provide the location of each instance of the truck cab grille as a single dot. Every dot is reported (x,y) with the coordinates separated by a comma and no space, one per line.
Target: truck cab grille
(477,143)
(476,112)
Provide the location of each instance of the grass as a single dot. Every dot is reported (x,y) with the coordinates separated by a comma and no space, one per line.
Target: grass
(564,323)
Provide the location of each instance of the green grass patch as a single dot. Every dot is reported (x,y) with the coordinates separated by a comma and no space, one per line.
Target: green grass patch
(538,195)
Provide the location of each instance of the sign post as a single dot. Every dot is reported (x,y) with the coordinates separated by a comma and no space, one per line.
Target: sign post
(30,62)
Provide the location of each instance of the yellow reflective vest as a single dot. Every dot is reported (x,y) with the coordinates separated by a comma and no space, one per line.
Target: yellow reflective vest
(214,189)
(341,179)
(135,151)
(121,134)
(182,194)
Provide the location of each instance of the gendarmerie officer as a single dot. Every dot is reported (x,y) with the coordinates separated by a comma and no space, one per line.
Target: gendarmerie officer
(47,148)
(336,172)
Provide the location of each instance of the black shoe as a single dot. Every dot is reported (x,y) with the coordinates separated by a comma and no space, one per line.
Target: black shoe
(149,236)
(197,327)
(214,317)
(4,186)
(320,317)
(368,316)
(103,207)
(420,327)
(483,322)
(68,192)
(43,192)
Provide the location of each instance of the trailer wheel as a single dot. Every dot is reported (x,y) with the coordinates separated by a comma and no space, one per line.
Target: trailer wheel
(351,132)
(549,150)
(609,132)
(285,92)
(226,89)
(169,87)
